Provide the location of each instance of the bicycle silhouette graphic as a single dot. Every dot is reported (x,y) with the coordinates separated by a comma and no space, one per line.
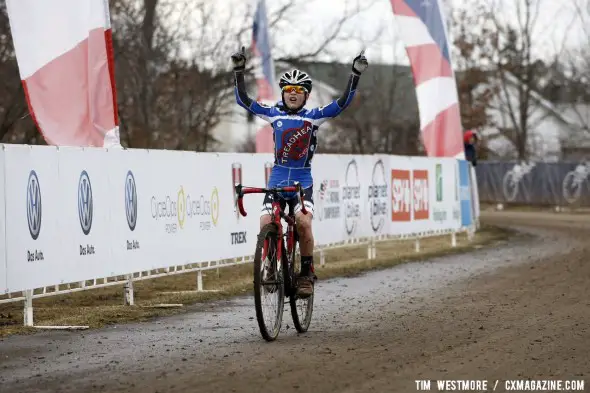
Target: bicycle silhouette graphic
(574,181)
(512,178)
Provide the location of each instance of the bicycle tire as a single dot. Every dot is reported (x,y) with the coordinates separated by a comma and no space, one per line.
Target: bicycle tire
(269,231)
(302,322)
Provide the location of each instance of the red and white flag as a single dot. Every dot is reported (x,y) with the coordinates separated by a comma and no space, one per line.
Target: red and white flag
(65,59)
(264,73)
(423,30)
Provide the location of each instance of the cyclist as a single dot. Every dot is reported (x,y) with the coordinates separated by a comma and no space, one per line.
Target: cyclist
(295,142)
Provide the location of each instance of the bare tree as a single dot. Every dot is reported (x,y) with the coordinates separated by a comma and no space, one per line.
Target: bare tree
(572,90)
(173,82)
(518,74)
(382,118)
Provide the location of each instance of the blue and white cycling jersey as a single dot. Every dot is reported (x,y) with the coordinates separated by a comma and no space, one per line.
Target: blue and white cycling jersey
(294,134)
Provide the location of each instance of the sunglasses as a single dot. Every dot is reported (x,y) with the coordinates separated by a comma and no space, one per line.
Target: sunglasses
(296,89)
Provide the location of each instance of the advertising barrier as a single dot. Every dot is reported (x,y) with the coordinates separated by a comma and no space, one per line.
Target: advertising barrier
(534,183)
(3,278)
(75,214)
(465,195)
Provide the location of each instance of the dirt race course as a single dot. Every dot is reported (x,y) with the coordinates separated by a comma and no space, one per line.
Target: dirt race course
(515,312)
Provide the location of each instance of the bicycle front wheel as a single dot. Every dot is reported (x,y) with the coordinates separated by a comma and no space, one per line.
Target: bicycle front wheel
(269,286)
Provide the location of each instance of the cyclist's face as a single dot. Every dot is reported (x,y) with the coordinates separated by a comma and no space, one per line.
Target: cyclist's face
(294,98)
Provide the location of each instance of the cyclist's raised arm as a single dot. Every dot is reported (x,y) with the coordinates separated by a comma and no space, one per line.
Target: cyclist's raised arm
(336,107)
(242,98)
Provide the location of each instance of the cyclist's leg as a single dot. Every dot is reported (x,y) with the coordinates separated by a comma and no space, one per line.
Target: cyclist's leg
(306,243)
(265,212)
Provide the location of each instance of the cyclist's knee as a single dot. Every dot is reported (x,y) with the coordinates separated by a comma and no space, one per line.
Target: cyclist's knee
(265,219)
(303,222)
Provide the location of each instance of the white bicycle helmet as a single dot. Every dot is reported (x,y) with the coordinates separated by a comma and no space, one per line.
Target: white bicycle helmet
(296,77)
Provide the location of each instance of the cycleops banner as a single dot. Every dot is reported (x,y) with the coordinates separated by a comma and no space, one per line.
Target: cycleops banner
(548,184)
(3,279)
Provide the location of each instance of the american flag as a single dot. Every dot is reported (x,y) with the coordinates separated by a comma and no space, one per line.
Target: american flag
(423,30)
(264,72)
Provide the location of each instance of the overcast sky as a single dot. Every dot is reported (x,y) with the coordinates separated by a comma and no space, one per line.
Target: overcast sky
(375,26)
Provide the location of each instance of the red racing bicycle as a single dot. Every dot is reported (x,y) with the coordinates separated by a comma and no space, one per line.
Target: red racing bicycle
(276,264)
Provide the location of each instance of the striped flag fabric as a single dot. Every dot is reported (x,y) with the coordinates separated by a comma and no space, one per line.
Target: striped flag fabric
(264,73)
(65,59)
(423,30)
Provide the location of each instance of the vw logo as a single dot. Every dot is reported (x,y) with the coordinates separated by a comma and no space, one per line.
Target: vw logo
(85,202)
(34,205)
(131,200)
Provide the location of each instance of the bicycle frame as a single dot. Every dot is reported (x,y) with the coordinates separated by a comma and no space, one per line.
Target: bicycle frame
(276,212)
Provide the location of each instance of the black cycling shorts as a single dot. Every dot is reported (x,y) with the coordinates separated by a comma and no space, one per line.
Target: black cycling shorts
(293,202)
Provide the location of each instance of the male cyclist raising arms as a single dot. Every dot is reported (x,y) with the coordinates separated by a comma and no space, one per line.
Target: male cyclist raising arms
(295,141)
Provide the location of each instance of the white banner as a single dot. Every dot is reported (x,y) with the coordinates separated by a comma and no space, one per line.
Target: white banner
(3,278)
(328,180)
(133,244)
(76,214)
(85,210)
(35,243)
(444,196)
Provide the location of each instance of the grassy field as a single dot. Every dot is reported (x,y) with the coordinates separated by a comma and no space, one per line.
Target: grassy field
(104,306)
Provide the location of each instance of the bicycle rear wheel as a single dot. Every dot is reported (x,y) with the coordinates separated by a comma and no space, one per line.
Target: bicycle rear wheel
(301,309)
(269,286)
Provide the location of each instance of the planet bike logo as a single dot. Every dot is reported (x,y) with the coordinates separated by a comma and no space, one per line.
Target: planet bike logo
(131,209)
(85,210)
(351,195)
(378,196)
(184,207)
(34,214)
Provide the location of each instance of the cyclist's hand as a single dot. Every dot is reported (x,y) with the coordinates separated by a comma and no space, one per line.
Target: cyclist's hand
(360,63)
(239,59)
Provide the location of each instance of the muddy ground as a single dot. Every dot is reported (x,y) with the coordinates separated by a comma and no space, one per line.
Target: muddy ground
(515,312)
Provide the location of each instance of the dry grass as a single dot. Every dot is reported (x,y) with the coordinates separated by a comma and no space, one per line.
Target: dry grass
(104,306)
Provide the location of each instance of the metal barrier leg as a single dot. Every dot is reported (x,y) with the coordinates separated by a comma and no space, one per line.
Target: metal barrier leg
(200,280)
(322,257)
(128,298)
(454,239)
(28,308)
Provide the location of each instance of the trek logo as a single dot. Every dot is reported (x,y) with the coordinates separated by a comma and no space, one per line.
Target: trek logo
(238,237)
(295,143)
